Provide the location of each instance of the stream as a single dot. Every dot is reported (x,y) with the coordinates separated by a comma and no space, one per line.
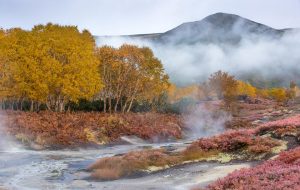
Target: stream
(64,169)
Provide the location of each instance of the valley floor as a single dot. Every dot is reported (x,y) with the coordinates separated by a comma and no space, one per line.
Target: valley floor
(256,133)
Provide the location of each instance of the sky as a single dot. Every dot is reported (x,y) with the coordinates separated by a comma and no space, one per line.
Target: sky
(122,17)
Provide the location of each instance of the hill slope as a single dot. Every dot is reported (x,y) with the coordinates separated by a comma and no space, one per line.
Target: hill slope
(252,51)
(216,28)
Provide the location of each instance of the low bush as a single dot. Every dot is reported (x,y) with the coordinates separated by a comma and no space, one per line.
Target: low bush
(295,121)
(282,127)
(235,140)
(280,173)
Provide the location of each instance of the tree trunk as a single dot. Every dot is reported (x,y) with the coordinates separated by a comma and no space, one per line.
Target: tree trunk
(110,104)
(125,105)
(121,102)
(31,106)
(48,106)
(61,106)
(130,105)
(38,105)
(21,104)
(104,106)
(116,105)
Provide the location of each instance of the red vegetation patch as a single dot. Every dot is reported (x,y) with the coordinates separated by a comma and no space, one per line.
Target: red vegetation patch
(295,121)
(119,166)
(281,173)
(235,140)
(246,142)
(282,127)
(75,129)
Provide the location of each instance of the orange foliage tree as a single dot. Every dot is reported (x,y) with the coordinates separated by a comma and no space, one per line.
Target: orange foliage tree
(224,85)
(130,73)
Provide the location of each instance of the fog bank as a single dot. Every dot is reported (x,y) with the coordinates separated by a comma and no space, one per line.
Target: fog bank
(254,58)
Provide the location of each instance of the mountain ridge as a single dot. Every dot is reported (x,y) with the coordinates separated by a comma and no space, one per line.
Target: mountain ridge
(225,22)
(192,51)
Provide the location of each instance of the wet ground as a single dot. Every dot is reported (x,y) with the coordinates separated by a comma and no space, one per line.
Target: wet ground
(65,169)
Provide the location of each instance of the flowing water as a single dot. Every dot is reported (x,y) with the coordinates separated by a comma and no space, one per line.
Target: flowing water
(64,169)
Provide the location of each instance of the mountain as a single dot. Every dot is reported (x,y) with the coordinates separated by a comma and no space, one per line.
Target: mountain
(216,28)
(249,50)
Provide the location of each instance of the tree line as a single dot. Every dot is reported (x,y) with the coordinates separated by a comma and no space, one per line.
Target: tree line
(228,88)
(53,66)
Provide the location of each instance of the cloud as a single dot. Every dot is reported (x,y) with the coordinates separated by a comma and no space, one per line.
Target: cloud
(261,56)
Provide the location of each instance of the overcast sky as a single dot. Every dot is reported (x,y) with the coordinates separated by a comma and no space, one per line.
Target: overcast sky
(114,17)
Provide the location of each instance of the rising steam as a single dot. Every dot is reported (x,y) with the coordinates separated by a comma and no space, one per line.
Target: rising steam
(204,120)
(7,144)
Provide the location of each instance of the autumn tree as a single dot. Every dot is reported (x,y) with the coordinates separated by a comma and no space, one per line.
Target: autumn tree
(223,84)
(130,73)
(69,64)
(50,64)
(263,93)
(3,68)
(291,92)
(247,89)
(14,46)
(278,94)
(175,93)
(110,69)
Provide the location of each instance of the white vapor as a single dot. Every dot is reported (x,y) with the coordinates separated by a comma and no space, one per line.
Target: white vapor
(264,56)
(204,121)
(7,144)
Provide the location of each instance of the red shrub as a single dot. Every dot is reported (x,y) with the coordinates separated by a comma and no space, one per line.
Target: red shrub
(293,121)
(290,157)
(235,140)
(281,173)
(282,127)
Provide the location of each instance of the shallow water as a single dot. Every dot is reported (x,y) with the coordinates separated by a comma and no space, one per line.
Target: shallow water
(64,169)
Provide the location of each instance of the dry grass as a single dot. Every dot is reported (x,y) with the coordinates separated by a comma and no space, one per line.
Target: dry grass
(132,162)
(115,167)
